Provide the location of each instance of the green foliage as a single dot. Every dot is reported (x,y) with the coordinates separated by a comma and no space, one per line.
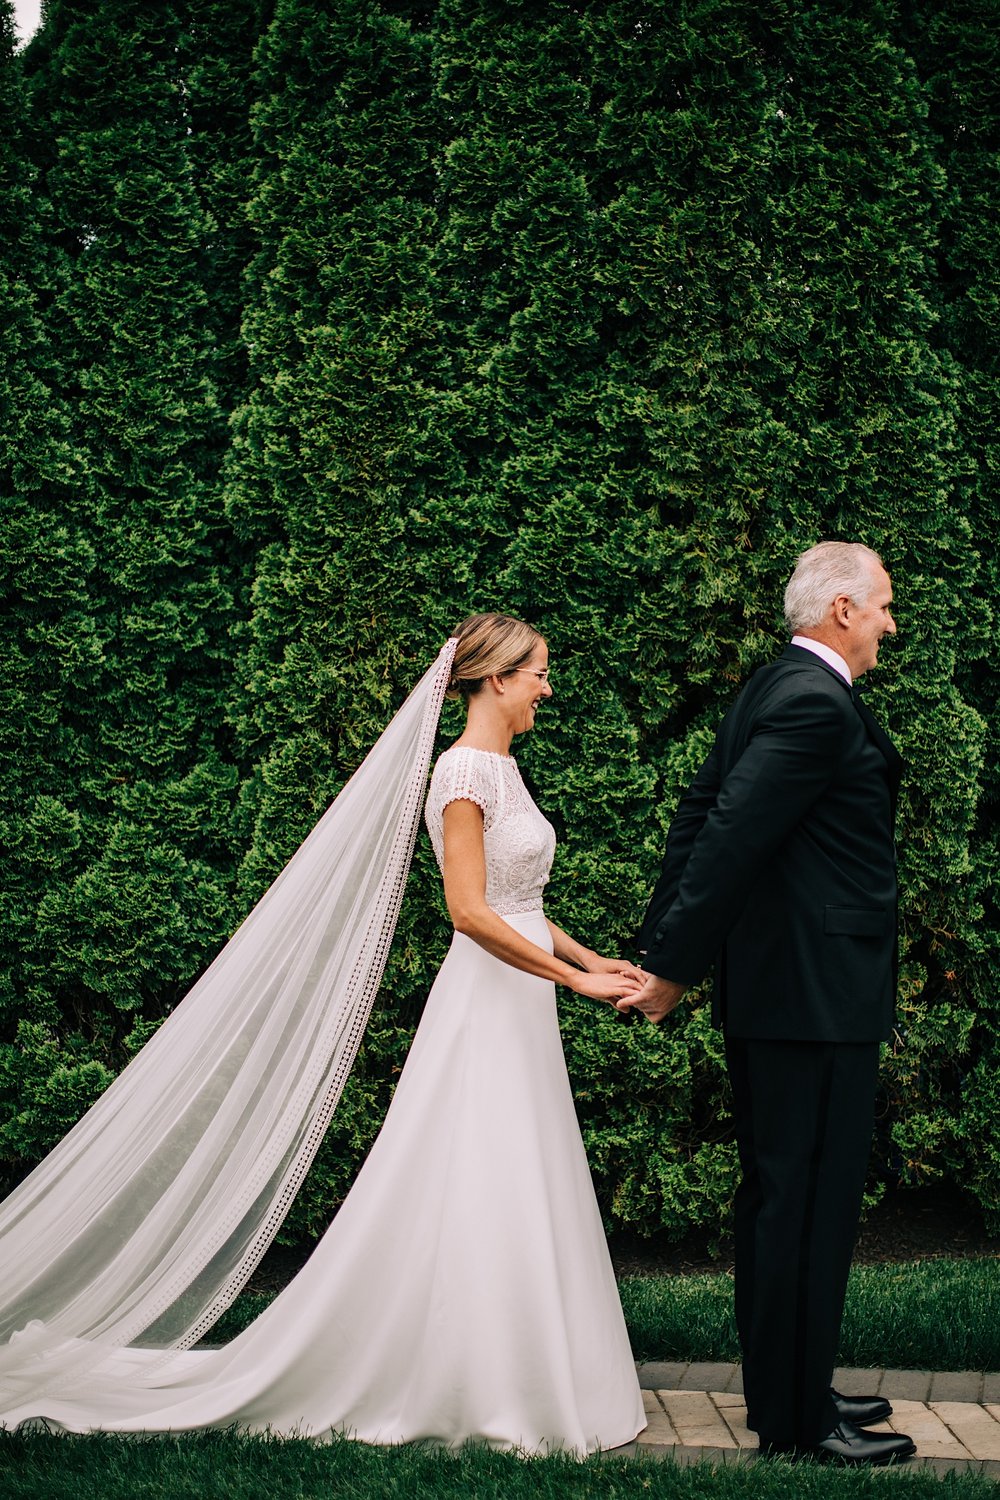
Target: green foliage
(119,793)
(52,650)
(957,51)
(327,326)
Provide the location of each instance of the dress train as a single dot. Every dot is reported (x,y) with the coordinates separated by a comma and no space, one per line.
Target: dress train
(464,1289)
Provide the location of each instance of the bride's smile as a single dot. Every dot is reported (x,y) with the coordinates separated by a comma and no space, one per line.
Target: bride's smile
(528,686)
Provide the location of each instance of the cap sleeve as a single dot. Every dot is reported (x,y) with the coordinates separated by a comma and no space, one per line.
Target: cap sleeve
(464,775)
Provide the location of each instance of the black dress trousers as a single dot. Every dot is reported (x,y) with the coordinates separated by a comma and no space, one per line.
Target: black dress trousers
(804,1114)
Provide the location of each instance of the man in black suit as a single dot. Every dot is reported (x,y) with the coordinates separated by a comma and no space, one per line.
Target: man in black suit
(780,868)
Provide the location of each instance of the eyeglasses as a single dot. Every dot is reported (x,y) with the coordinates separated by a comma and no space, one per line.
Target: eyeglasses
(543,676)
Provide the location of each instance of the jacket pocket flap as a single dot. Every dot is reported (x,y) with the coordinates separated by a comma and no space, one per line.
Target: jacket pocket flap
(856,921)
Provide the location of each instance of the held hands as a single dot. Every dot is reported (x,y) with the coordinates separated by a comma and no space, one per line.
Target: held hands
(655,999)
(609,979)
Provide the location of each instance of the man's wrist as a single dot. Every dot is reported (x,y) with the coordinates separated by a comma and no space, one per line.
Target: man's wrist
(665,978)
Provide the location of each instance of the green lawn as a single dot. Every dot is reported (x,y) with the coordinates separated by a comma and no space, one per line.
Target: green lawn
(927,1315)
(220,1467)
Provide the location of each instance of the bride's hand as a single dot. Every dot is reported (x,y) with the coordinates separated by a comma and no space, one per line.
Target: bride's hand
(599,965)
(610,986)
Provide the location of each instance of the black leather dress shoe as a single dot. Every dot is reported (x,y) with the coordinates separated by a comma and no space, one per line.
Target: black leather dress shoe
(861,1410)
(847,1444)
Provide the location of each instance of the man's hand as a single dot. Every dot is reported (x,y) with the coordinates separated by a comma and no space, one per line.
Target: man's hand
(656,999)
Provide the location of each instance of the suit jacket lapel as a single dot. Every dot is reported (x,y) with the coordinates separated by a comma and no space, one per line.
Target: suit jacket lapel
(878,736)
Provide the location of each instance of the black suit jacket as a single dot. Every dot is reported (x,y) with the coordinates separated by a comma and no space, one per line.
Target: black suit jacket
(780,864)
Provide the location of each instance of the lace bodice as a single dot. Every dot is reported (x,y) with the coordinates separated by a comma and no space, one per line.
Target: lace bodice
(519,842)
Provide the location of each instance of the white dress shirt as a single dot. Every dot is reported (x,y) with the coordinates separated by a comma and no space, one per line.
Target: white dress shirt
(825,653)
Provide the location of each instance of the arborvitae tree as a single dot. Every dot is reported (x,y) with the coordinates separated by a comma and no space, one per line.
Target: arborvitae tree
(141,898)
(775,266)
(342,452)
(563,509)
(683,414)
(217,41)
(870,405)
(956,47)
(51,657)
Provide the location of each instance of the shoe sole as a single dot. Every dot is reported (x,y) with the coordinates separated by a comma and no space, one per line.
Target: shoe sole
(845,1461)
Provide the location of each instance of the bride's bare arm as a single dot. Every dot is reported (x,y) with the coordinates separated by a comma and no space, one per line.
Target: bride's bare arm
(585,958)
(465,895)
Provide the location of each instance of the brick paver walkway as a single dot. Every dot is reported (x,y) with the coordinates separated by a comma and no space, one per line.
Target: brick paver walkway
(696,1411)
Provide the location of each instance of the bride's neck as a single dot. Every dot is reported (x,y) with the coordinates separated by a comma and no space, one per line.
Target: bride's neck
(486,727)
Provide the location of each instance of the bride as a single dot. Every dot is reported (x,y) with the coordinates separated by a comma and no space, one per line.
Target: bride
(464,1290)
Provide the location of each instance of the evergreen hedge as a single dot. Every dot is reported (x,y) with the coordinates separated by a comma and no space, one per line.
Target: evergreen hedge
(328,325)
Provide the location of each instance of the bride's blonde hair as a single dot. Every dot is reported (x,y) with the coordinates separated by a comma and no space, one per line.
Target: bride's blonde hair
(488,646)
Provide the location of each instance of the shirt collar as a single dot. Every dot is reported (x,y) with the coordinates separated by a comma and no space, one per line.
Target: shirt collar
(825,653)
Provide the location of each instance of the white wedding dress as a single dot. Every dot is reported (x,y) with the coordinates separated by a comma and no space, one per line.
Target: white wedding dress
(464,1290)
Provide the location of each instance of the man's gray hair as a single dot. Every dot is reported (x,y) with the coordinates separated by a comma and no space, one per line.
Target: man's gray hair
(823,573)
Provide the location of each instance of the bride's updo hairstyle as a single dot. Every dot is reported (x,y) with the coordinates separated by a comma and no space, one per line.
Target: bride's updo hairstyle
(488,646)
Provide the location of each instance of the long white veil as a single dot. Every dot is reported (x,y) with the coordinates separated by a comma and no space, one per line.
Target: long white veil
(147,1219)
